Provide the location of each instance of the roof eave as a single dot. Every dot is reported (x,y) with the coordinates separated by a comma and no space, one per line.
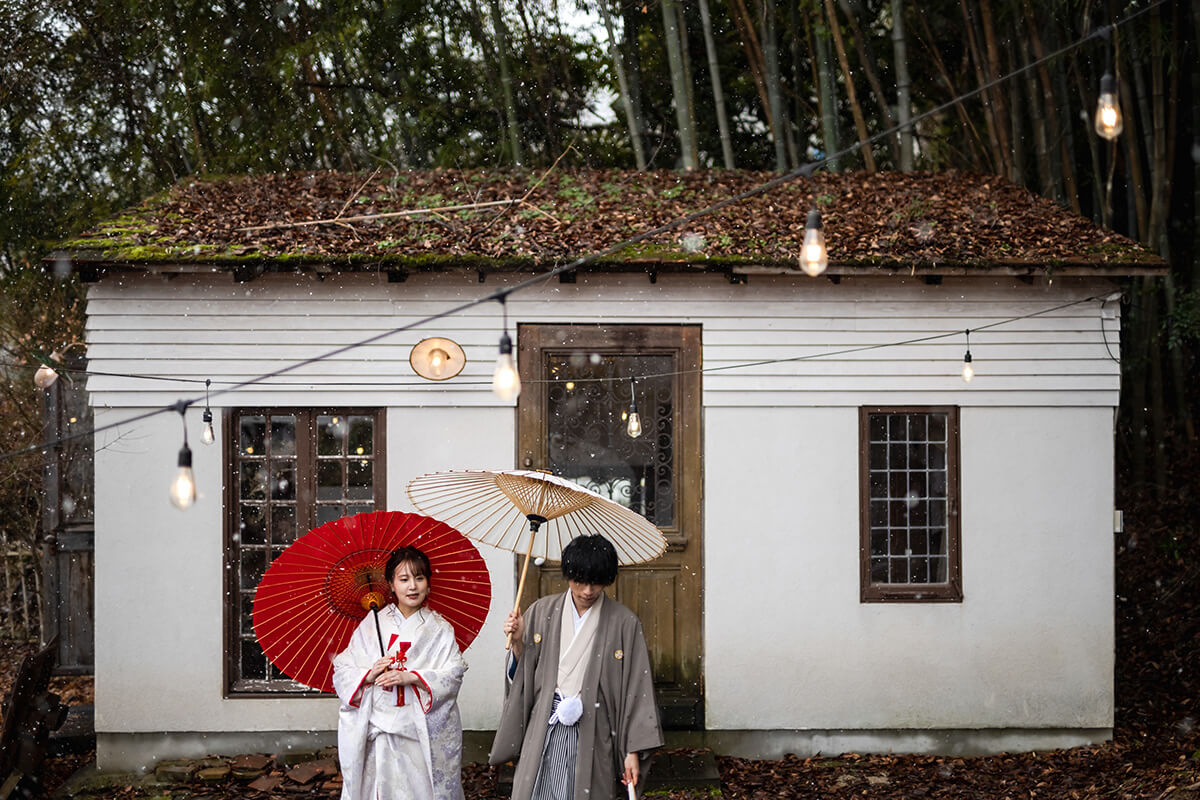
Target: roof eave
(92,266)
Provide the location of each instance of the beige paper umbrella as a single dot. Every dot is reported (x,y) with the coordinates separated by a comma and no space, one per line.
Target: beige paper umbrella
(534,511)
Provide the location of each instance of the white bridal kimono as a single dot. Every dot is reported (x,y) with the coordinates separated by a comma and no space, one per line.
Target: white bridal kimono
(404,744)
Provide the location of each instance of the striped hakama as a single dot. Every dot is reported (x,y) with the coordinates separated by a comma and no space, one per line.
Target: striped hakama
(556,777)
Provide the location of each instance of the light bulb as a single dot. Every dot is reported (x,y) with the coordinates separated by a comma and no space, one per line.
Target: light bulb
(437,362)
(45,377)
(1108,111)
(968,371)
(813,258)
(634,427)
(183,488)
(506,383)
(207,435)
(633,419)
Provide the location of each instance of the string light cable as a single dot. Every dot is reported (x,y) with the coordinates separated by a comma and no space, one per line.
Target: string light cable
(805,170)
(1115,296)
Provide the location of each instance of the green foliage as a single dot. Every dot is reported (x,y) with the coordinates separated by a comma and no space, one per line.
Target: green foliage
(39,314)
(1182,329)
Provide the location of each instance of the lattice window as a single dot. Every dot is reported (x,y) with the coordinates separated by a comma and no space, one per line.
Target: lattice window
(290,470)
(909,495)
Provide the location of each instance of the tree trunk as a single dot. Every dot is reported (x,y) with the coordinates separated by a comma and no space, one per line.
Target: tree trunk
(478,28)
(1012,90)
(998,97)
(1183,411)
(828,93)
(991,112)
(1062,178)
(688,80)
(1195,270)
(678,87)
(1066,142)
(714,74)
(866,62)
(1158,411)
(510,106)
(1037,122)
(974,141)
(1165,127)
(774,89)
(903,86)
(754,54)
(1163,117)
(635,136)
(631,19)
(1133,158)
(1134,366)
(860,122)
(1102,199)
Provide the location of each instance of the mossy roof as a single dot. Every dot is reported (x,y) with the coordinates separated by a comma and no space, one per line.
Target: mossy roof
(946,222)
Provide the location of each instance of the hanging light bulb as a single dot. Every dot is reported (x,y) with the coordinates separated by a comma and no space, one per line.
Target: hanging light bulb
(968,372)
(183,488)
(506,382)
(1108,110)
(813,258)
(207,435)
(634,421)
(46,375)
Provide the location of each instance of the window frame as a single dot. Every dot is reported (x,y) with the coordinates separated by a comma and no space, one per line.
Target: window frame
(235,687)
(951,590)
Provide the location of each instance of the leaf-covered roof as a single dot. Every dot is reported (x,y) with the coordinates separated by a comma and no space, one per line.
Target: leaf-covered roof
(926,222)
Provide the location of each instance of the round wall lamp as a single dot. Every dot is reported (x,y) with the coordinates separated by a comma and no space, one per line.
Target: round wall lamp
(437,359)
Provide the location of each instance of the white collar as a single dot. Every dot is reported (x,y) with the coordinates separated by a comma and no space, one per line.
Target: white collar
(578,618)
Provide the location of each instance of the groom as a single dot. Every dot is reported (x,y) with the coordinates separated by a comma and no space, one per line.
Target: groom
(579,708)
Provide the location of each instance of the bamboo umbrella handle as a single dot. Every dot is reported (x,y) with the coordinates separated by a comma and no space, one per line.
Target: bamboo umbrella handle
(533,527)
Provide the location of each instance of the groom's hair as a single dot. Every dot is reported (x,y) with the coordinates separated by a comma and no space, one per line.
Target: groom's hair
(418,563)
(590,559)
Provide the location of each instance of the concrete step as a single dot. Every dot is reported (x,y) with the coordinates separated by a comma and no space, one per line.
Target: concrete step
(77,734)
(674,768)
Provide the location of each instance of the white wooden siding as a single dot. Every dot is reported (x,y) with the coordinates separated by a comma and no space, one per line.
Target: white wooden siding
(207,326)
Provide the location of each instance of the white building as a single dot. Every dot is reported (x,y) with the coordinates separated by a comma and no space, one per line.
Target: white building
(868,553)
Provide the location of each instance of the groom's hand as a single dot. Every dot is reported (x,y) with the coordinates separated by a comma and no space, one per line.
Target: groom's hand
(514,626)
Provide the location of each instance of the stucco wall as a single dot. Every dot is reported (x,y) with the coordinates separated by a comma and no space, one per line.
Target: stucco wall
(788,645)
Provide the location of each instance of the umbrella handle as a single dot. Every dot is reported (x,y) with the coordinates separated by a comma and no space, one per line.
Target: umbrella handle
(534,524)
(378,632)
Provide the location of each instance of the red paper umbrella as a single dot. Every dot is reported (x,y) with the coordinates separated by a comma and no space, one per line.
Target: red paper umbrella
(318,589)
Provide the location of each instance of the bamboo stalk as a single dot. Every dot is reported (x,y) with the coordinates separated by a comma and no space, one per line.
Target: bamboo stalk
(714,74)
(860,123)
(631,119)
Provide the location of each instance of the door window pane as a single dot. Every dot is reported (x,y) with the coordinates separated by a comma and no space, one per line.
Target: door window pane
(588,405)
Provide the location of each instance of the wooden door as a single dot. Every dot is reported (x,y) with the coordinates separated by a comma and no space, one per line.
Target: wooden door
(572,421)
